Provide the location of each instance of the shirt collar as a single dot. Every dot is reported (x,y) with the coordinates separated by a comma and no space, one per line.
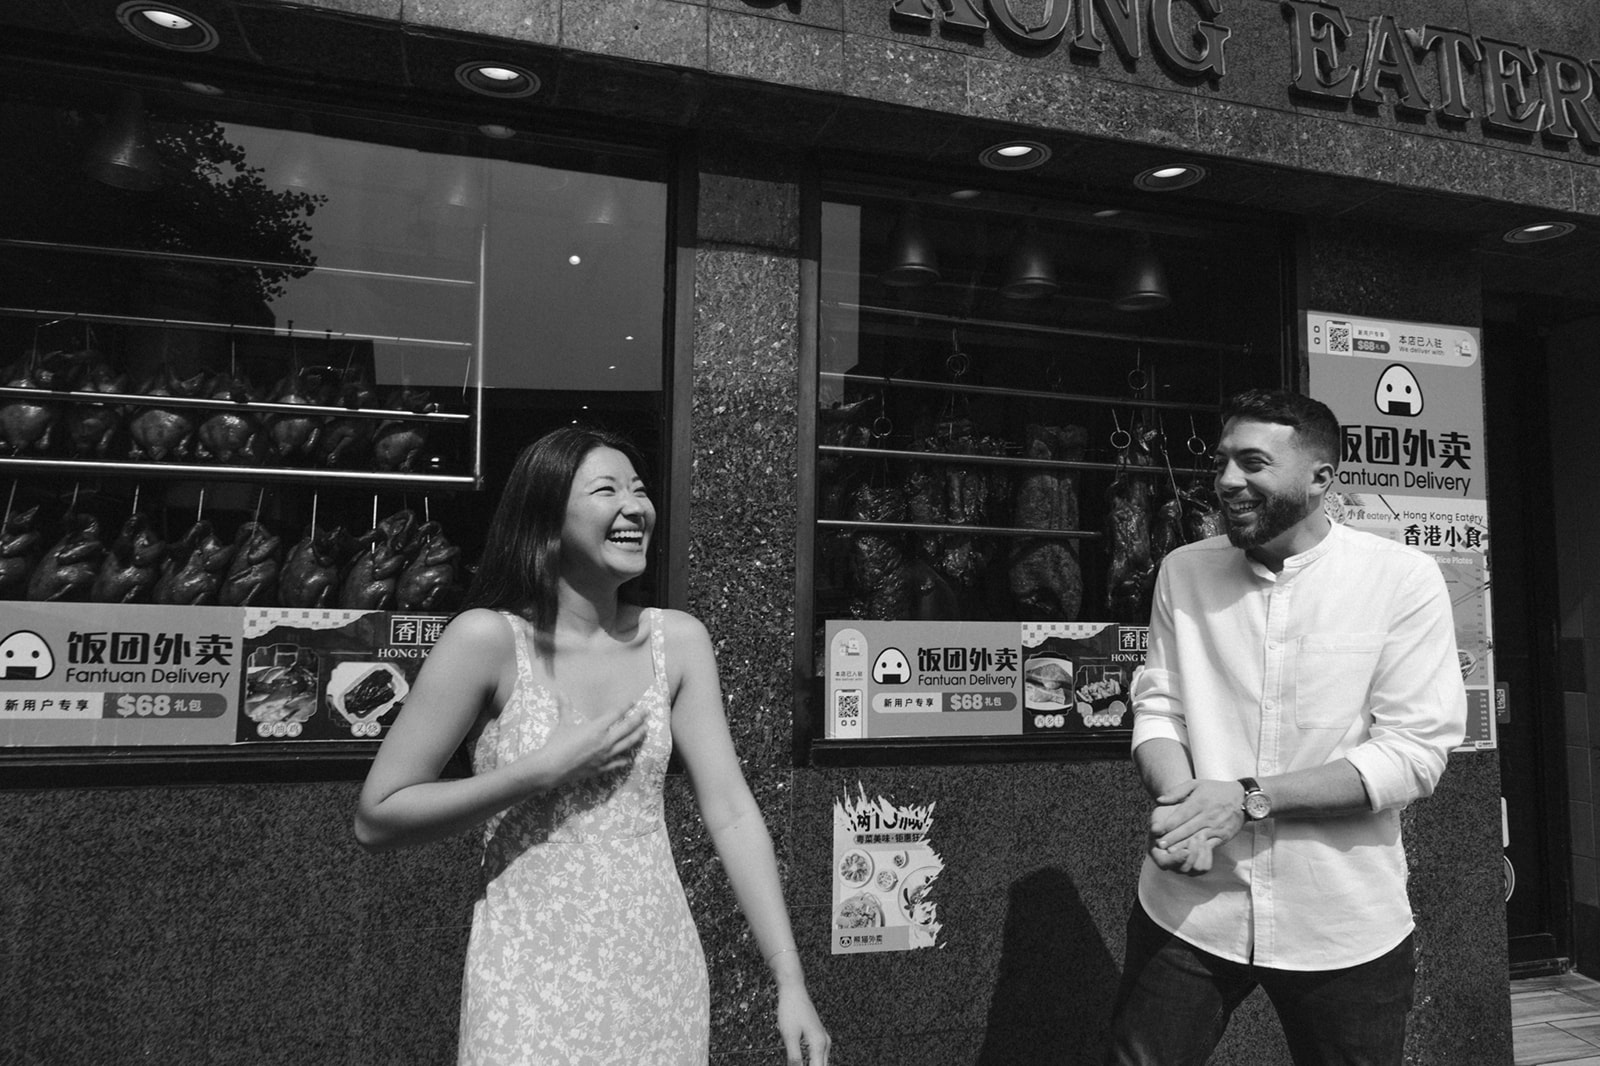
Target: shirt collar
(1295,563)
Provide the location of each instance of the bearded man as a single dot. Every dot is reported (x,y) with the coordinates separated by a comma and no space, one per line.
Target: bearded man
(1301,687)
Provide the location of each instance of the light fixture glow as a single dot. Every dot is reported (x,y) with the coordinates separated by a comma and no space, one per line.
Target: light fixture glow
(575,260)
(167,20)
(167,25)
(1538,231)
(505,80)
(1170,177)
(499,133)
(203,88)
(966,194)
(1014,155)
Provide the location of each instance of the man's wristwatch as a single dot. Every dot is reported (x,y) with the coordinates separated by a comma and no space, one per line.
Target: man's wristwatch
(1257,804)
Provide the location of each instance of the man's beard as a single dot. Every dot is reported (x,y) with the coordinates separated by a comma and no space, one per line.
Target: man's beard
(1276,514)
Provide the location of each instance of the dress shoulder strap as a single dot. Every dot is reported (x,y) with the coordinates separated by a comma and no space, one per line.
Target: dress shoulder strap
(519,641)
(658,643)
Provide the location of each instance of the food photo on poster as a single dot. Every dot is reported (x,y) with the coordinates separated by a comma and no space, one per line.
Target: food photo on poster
(884,873)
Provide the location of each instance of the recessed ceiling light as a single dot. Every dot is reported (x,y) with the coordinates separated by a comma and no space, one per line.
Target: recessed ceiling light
(504,80)
(1014,155)
(167,25)
(575,260)
(1170,177)
(1538,231)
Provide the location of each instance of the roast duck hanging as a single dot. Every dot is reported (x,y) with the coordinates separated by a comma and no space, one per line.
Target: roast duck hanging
(91,427)
(162,433)
(347,441)
(310,575)
(29,425)
(66,571)
(398,443)
(130,569)
(369,583)
(1132,570)
(428,581)
(251,579)
(295,436)
(20,543)
(194,567)
(230,436)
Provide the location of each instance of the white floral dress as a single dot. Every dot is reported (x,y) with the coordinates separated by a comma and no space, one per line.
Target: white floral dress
(583,951)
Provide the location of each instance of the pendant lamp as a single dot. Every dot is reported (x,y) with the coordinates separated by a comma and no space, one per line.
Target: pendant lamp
(1142,285)
(1029,272)
(124,155)
(912,259)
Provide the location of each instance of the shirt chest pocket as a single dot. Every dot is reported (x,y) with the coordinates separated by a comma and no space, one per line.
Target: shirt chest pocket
(1332,676)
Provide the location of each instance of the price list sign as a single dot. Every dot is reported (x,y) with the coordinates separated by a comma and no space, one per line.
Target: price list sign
(111,677)
(931,679)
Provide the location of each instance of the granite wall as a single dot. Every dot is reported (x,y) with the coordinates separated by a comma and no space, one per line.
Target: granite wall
(240,924)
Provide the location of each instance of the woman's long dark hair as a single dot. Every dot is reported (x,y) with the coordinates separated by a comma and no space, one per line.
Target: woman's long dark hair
(521,561)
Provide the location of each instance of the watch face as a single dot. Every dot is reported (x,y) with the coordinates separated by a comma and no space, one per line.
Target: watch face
(1257,805)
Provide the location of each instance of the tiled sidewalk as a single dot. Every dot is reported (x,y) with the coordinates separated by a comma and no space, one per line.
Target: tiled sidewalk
(1556,1019)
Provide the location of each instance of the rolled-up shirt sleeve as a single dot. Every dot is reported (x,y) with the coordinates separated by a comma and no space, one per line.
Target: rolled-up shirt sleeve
(1417,701)
(1157,705)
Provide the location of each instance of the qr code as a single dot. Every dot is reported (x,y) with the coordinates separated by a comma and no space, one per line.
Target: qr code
(847,705)
(1338,338)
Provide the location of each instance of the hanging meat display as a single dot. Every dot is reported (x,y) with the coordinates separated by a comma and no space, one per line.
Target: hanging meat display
(398,443)
(1132,571)
(29,425)
(348,441)
(428,583)
(252,576)
(294,436)
(968,492)
(66,571)
(877,561)
(193,570)
(1046,579)
(231,436)
(91,427)
(369,582)
(20,545)
(310,575)
(129,571)
(160,433)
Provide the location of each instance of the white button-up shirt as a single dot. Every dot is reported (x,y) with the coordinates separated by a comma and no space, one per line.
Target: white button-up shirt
(1348,652)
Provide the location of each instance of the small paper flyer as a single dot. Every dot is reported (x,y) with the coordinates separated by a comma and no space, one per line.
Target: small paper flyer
(883,876)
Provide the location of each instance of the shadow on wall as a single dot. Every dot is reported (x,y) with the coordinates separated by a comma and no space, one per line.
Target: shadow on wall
(1056,980)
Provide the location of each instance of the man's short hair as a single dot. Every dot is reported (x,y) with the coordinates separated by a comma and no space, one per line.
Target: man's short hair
(1315,425)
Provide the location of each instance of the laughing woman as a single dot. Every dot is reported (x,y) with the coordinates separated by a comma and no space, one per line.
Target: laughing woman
(582,949)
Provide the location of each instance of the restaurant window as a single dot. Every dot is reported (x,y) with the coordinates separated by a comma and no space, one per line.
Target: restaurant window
(267,364)
(1016,409)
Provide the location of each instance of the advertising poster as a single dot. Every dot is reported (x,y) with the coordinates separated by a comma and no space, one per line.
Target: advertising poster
(76,675)
(114,676)
(967,679)
(1409,398)
(884,871)
(328,674)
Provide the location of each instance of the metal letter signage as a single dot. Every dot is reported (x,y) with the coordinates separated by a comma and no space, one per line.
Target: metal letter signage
(1507,85)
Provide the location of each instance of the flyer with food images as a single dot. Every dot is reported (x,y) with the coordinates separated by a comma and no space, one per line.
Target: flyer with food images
(330,674)
(884,874)
(933,679)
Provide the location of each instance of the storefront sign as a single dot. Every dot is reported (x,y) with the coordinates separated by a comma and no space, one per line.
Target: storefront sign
(1521,88)
(1409,397)
(142,675)
(969,679)
(1524,89)
(1184,33)
(883,876)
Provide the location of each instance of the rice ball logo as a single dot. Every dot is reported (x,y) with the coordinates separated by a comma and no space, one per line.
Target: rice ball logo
(24,656)
(1398,392)
(891,667)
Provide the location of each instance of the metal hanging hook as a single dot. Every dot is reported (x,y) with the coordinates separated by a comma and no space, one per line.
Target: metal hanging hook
(1120,438)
